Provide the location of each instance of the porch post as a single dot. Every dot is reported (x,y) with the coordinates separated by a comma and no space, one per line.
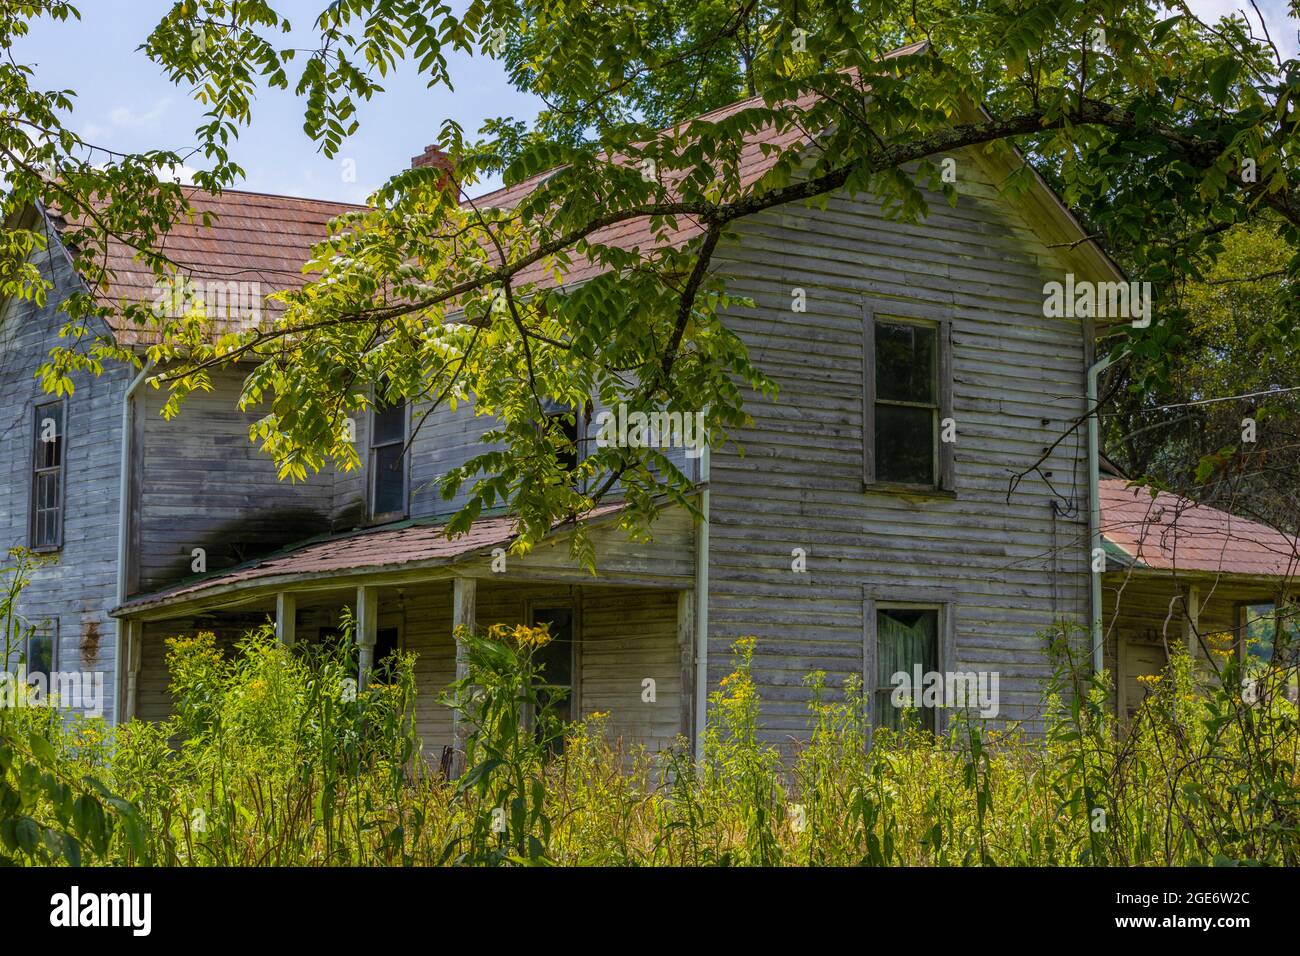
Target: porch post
(1191,618)
(286,618)
(463,610)
(132,652)
(1280,599)
(686,649)
(367,629)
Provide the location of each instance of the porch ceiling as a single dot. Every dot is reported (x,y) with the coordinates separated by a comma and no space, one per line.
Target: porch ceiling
(1213,585)
(416,551)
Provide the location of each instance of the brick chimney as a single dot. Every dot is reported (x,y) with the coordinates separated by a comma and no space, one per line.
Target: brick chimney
(432,156)
(437,159)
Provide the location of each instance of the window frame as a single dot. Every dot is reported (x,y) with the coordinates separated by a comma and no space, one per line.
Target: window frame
(941,600)
(915,314)
(582,417)
(48,629)
(34,472)
(372,471)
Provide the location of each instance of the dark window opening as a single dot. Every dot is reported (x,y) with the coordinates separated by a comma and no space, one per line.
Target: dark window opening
(386,643)
(906,403)
(568,455)
(38,656)
(47,477)
(566,425)
(555,662)
(387,459)
(905,638)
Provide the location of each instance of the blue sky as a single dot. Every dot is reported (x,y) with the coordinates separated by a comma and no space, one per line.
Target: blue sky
(124,103)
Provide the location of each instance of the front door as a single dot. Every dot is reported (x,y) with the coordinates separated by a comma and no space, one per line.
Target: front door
(1139,656)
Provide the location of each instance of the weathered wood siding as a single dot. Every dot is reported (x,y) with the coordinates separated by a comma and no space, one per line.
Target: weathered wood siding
(73,591)
(153,685)
(624,635)
(1144,619)
(203,484)
(667,557)
(447,439)
(1018,380)
(628,637)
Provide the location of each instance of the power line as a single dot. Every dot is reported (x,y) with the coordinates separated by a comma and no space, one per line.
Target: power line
(1211,401)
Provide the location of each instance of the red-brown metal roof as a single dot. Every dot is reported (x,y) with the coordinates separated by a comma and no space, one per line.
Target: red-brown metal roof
(253,238)
(360,552)
(264,238)
(1172,533)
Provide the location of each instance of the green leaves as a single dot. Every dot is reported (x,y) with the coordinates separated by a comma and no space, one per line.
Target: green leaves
(597,285)
(1223,73)
(47,818)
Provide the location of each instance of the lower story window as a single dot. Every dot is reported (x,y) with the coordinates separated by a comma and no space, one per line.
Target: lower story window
(906,639)
(38,656)
(1270,632)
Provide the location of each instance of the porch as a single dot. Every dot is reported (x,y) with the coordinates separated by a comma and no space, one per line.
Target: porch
(1181,573)
(624,638)
(1148,614)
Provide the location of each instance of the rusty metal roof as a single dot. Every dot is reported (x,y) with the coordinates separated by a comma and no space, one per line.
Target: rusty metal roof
(253,238)
(264,238)
(411,544)
(1170,533)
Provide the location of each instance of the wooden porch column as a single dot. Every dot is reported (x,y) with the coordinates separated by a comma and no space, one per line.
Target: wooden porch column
(1281,598)
(1191,618)
(367,630)
(286,618)
(131,652)
(464,598)
(686,647)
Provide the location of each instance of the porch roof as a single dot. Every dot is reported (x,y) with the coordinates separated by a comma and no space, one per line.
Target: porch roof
(1168,532)
(412,546)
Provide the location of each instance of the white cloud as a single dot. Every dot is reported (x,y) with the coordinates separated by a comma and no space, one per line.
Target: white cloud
(180,173)
(123,117)
(1281,27)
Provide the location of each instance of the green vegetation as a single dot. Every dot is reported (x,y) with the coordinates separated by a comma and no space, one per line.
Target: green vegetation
(274,758)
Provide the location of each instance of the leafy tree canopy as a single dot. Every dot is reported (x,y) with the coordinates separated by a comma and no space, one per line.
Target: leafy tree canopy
(1162,130)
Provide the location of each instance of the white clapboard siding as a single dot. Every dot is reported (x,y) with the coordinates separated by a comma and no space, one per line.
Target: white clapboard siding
(205,485)
(1010,566)
(75,588)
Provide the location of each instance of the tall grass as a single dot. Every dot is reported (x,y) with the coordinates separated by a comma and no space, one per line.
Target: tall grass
(274,757)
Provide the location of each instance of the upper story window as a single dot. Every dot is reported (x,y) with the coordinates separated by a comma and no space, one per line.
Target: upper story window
(387,461)
(908,402)
(48,452)
(567,424)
